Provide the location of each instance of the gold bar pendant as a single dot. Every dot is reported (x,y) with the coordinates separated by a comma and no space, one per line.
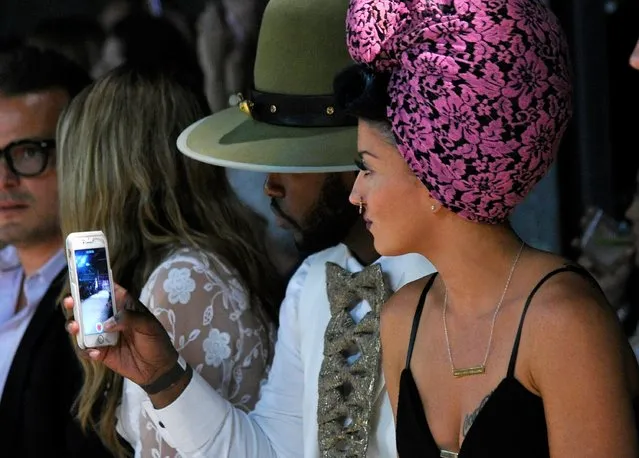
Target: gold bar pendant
(447,454)
(475,370)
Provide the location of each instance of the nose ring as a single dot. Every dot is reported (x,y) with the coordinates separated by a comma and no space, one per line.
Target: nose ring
(361,206)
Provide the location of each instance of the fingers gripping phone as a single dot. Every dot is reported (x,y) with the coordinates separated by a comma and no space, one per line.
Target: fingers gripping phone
(91,287)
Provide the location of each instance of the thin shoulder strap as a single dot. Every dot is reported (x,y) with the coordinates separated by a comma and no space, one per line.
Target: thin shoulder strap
(567,268)
(417,318)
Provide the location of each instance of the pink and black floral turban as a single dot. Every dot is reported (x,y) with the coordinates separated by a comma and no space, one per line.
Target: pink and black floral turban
(480,93)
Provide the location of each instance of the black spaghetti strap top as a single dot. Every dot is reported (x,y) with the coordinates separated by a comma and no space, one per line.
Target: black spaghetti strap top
(512,421)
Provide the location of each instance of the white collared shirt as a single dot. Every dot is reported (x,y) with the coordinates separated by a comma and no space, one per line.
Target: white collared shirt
(13,325)
(200,423)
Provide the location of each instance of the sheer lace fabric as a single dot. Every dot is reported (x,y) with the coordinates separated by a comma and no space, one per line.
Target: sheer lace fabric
(215,325)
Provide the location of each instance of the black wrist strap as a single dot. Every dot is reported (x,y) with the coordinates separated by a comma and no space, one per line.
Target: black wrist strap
(169,378)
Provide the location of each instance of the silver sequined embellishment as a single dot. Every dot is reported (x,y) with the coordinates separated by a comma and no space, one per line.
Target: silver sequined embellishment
(346,389)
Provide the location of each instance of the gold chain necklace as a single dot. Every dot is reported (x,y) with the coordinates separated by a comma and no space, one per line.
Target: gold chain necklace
(481,369)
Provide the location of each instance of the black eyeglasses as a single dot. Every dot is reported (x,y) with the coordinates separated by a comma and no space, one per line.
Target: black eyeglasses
(27,158)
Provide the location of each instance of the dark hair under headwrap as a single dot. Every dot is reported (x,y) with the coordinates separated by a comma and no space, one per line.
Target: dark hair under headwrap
(480,93)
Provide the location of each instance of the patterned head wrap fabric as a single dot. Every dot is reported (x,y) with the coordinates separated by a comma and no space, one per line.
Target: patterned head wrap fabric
(480,93)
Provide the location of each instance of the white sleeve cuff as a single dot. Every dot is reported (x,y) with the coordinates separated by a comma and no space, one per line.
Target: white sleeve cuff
(128,413)
(193,419)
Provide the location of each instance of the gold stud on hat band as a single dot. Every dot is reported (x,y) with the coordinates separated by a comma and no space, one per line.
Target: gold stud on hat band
(292,110)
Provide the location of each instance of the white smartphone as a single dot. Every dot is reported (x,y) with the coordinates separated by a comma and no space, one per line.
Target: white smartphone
(91,287)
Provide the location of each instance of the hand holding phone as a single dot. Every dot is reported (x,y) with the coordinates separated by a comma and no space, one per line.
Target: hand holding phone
(91,287)
(143,353)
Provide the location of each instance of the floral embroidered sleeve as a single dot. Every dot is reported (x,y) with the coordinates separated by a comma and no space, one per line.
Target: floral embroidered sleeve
(214,326)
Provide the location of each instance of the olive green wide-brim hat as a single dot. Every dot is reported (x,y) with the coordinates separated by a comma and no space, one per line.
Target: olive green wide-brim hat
(289,122)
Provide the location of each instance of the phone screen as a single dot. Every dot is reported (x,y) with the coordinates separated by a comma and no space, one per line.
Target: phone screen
(95,289)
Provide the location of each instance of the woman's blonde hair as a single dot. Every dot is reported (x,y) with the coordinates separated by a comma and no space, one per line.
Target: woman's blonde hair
(120,172)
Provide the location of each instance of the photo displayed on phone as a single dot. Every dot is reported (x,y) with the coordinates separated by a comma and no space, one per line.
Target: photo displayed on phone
(95,289)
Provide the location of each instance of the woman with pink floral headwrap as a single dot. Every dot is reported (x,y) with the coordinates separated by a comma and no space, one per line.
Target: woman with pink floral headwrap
(508,350)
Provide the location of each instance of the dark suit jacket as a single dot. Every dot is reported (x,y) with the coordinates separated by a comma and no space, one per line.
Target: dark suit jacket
(43,382)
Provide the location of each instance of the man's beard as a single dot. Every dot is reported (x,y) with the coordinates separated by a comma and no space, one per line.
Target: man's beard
(328,222)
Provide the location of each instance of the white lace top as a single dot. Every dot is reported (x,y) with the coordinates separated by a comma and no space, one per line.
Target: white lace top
(206,312)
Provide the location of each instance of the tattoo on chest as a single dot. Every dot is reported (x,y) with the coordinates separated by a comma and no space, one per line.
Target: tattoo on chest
(470,418)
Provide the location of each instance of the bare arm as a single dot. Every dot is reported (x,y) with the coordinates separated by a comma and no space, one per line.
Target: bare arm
(395,327)
(583,369)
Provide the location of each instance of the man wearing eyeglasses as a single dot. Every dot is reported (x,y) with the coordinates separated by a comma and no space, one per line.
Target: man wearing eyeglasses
(39,373)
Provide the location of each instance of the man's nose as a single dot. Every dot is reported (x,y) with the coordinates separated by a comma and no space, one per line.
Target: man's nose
(273,187)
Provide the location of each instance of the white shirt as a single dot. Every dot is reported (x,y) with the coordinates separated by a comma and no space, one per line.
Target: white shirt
(200,423)
(13,325)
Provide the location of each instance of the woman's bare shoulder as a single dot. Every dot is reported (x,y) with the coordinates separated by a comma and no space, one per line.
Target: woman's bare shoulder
(401,306)
(570,320)
(570,296)
(396,322)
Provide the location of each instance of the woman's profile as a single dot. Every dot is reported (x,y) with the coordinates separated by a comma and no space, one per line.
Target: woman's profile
(507,350)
